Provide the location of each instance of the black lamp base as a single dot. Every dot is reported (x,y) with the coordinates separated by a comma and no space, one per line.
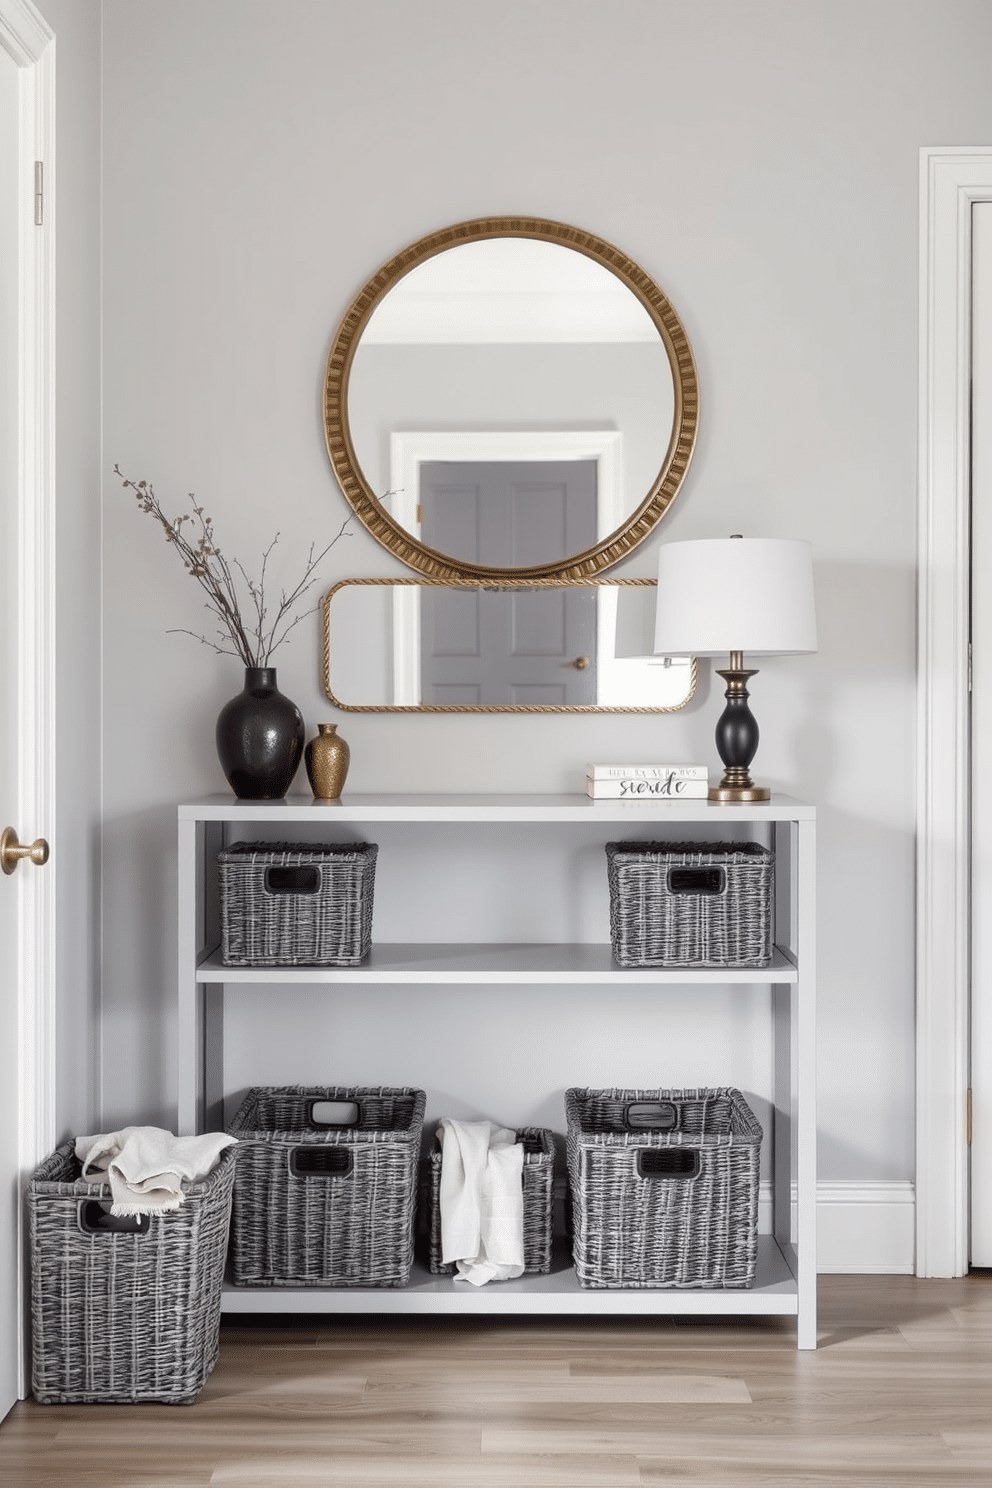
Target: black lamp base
(737,738)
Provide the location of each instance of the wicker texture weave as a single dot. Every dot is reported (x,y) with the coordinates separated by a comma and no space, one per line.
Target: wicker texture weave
(331,1228)
(634,1229)
(124,1317)
(655,920)
(264,924)
(539,1157)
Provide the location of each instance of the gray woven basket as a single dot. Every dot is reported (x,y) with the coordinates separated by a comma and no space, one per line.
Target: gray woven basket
(325,1205)
(296,904)
(690,903)
(664,1187)
(124,1315)
(539,1157)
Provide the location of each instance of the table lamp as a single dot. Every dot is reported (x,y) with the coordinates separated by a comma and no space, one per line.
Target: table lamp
(727,596)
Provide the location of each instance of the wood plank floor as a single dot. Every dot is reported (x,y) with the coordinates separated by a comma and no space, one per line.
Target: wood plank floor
(899,1393)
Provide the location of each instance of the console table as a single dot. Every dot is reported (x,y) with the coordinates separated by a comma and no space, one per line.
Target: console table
(786,1277)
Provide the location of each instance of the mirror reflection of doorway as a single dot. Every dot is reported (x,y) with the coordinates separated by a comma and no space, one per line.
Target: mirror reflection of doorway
(512,647)
(508,514)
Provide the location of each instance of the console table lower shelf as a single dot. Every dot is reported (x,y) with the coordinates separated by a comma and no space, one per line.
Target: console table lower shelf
(775,1292)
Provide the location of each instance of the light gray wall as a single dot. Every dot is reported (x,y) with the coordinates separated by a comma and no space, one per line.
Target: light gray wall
(75,210)
(761,161)
(627,387)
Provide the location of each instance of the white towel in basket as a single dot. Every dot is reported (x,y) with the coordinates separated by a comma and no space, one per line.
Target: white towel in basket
(481,1201)
(146,1166)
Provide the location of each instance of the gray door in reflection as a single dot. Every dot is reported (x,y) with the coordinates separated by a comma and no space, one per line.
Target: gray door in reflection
(497,647)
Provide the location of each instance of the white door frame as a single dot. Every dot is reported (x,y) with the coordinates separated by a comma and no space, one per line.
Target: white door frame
(950,181)
(27,38)
(980,1005)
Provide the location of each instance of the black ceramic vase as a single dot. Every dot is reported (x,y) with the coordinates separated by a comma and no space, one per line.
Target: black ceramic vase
(260,738)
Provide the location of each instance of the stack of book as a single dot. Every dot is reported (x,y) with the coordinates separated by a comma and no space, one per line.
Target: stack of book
(641,782)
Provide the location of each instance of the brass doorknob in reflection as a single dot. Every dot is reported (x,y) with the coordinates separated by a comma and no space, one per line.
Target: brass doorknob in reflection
(580,663)
(12,851)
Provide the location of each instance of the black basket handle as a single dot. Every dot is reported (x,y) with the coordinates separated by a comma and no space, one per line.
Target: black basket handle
(302,878)
(334,1113)
(651,1116)
(704,881)
(668,1162)
(315,1161)
(95,1218)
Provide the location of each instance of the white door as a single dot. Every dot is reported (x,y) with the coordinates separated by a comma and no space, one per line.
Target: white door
(981,737)
(26,668)
(8,784)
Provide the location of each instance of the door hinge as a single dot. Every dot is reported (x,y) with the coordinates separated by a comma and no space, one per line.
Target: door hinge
(39,193)
(969,666)
(968,1116)
(420,513)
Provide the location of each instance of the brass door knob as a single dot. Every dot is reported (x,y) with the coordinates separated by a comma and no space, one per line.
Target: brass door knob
(580,663)
(12,851)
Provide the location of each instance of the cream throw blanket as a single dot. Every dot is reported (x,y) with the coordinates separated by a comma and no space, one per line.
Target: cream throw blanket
(146,1166)
(482,1211)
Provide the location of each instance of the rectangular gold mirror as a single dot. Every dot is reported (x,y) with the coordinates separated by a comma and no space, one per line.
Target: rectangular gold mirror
(422,646)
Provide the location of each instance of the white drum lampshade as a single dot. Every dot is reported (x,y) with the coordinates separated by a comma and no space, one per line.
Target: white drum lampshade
(726,597)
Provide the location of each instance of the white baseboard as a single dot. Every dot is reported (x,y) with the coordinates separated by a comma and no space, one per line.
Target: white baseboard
(866,1228)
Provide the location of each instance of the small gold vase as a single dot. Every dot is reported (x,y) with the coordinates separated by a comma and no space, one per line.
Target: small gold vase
(327,758)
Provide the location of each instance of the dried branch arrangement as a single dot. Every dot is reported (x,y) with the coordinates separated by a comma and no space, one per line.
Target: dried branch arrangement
(251,626)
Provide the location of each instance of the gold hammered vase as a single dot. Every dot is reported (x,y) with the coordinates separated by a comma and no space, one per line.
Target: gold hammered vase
(327,758)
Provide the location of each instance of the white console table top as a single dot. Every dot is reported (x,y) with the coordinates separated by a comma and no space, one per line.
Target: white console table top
(511,807)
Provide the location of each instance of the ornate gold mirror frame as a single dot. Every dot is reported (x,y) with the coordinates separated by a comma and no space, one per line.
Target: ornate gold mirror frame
(650,509)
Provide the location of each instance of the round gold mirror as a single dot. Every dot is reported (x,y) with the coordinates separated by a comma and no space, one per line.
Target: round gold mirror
(510,398)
